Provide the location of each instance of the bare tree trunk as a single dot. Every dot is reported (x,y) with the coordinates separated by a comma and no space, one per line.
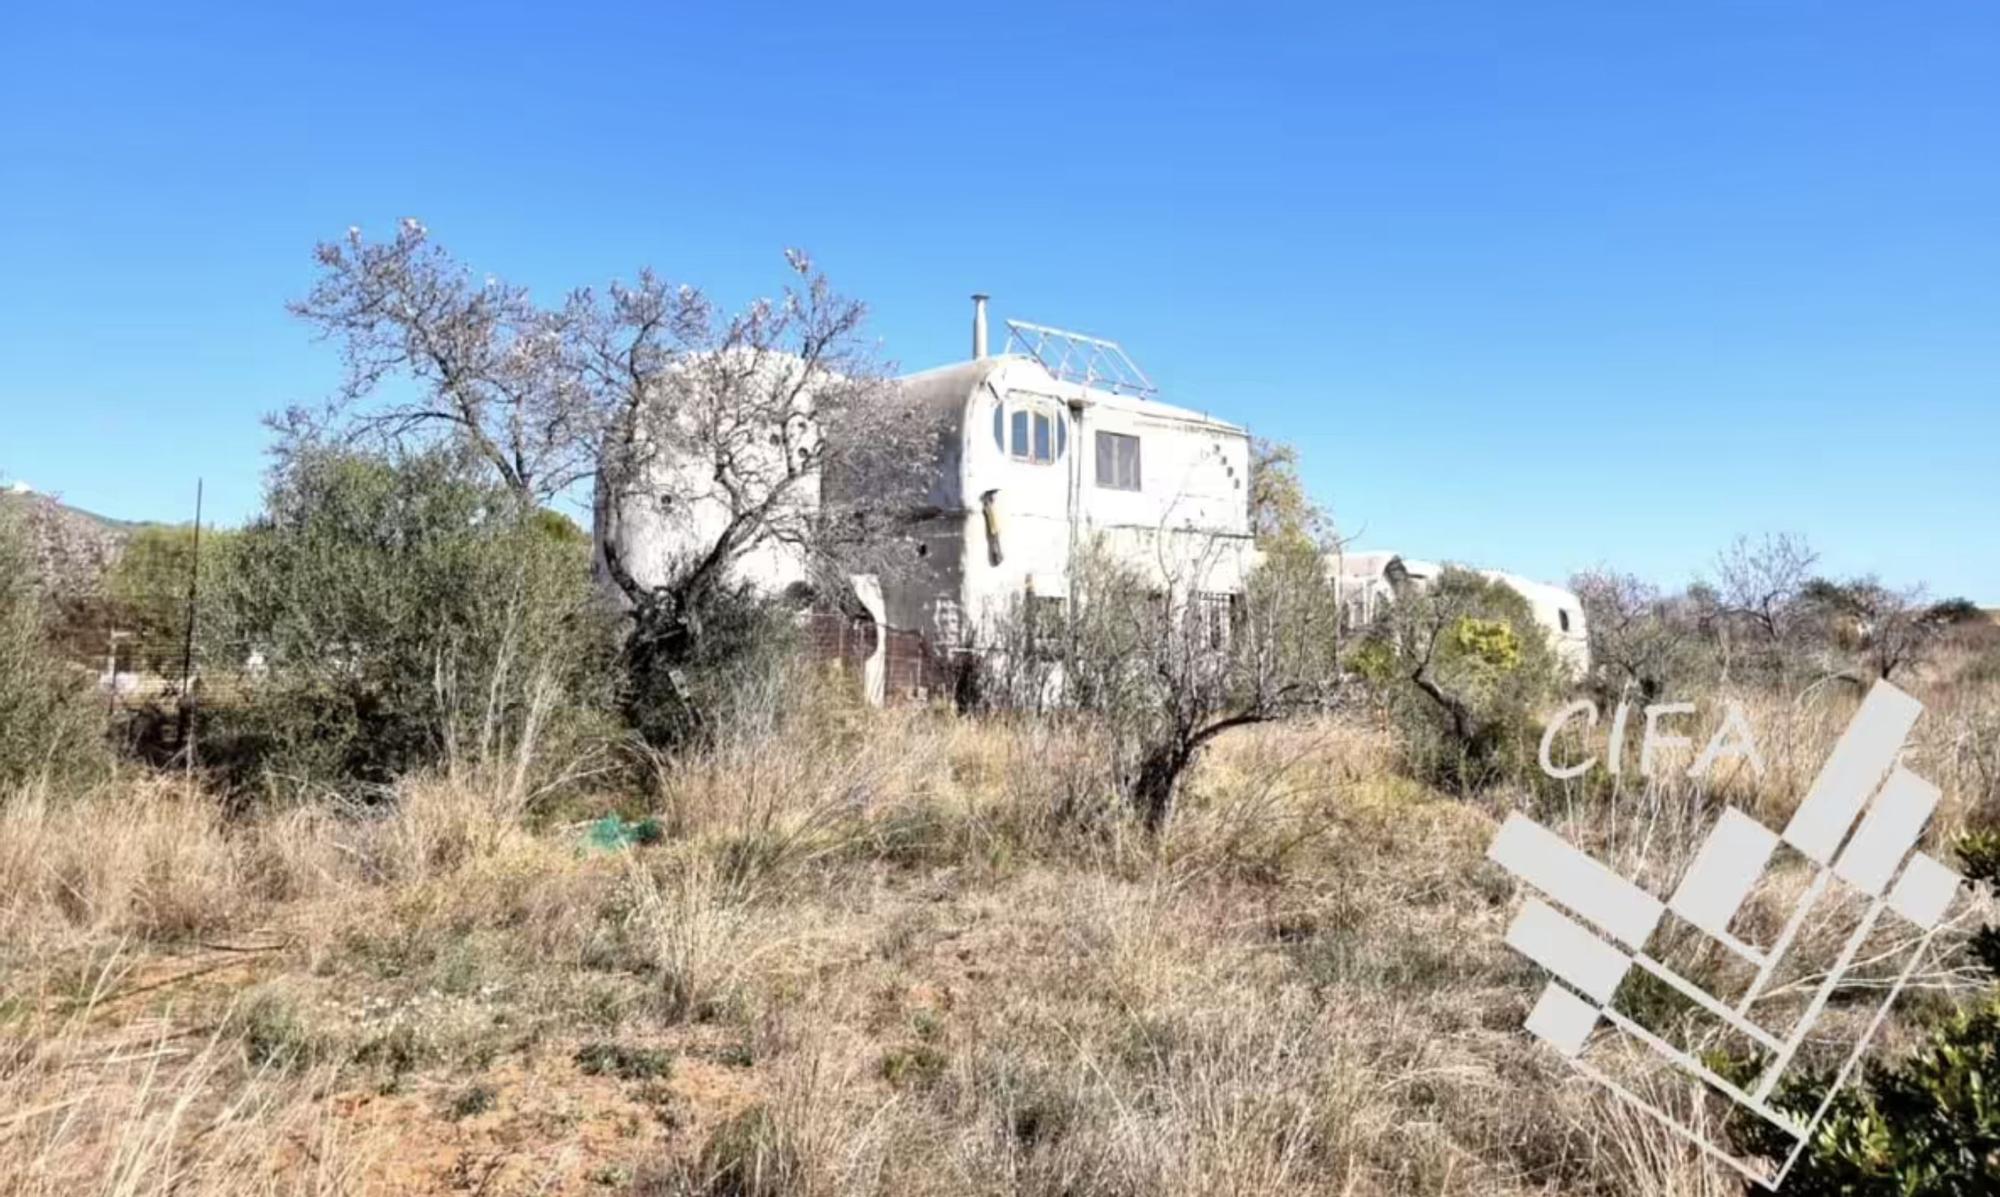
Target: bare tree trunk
(1158,780)
(1160,770)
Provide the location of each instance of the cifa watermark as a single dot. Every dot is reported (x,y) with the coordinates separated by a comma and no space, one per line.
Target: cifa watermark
(1856,832)
(1732,738)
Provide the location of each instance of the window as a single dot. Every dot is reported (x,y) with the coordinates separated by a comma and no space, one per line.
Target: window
(949,619)
(1117,461)
(1215,619)
(1030,430)
(1562,617)
(1047,620)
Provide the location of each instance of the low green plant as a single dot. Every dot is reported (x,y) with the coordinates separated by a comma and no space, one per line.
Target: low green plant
(274,1033)
(624,1062)
(917,1066)
(1927,1125)
(472,1101)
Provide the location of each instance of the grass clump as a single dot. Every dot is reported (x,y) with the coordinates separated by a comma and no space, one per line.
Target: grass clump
(624,1062)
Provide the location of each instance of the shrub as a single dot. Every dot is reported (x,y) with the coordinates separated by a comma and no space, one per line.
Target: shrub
(409,616)
(1463,670)
(473,1101)
(724,666)
(49,725)
(624,1062)
(1923,1125)
(148,590)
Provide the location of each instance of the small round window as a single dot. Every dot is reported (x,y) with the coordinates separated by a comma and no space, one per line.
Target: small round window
(1032,429)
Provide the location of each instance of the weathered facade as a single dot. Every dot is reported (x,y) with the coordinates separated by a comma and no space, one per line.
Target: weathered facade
(1034,467)
(1035,455)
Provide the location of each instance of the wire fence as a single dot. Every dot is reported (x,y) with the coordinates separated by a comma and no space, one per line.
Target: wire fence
(152,671)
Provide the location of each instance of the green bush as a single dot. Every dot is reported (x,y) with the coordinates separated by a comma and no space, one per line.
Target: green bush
(148,590)
(728,665)
(407,615)
(1463,670)
(1927,1125)
(50,723)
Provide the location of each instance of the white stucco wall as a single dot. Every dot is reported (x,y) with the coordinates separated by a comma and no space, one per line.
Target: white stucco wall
(673,509)
(1188,522)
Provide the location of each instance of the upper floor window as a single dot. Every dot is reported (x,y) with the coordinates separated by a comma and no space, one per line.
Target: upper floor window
(1117,461)
(1030,429)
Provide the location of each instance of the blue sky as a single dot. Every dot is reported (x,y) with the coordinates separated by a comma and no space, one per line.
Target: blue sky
(1532,285)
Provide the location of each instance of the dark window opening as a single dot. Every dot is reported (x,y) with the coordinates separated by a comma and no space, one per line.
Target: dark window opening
(1047,619)
(1215,619)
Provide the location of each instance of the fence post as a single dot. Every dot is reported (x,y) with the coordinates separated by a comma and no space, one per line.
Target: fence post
(186,702)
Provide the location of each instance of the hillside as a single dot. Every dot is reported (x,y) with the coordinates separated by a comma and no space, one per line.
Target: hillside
(71,547)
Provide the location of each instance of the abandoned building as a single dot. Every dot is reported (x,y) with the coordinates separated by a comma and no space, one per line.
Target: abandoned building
(1056,441)
(1368,582)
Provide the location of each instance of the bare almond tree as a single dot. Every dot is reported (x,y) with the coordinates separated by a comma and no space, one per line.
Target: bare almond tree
(772,426)
(1758,586)
(773,429)
(433,354)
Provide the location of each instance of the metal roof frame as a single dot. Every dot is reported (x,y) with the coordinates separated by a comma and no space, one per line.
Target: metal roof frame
(1085,360)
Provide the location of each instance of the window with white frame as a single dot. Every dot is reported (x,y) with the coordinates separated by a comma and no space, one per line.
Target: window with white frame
(1030,428)
(1117,461)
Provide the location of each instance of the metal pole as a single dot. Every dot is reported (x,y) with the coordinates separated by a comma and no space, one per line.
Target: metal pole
(187,651)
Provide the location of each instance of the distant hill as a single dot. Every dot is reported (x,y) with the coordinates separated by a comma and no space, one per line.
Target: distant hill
(71,548)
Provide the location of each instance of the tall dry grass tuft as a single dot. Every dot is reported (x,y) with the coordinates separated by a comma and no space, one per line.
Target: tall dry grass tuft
(147,859)
(152,1111)
(695,925)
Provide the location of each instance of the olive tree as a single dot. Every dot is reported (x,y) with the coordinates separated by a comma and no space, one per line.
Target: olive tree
(1165,664)
(49,724)
(1464,666)
(1871,630)
(408,613)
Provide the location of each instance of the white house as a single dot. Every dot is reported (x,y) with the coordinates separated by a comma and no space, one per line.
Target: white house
(1055,442)
(1045,447)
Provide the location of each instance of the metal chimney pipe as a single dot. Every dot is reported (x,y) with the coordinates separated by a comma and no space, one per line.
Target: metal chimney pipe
(979,326)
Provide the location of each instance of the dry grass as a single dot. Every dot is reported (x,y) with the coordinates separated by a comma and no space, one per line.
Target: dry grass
(890,953)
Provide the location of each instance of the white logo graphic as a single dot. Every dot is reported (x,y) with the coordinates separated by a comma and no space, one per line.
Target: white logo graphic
(1589,967)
